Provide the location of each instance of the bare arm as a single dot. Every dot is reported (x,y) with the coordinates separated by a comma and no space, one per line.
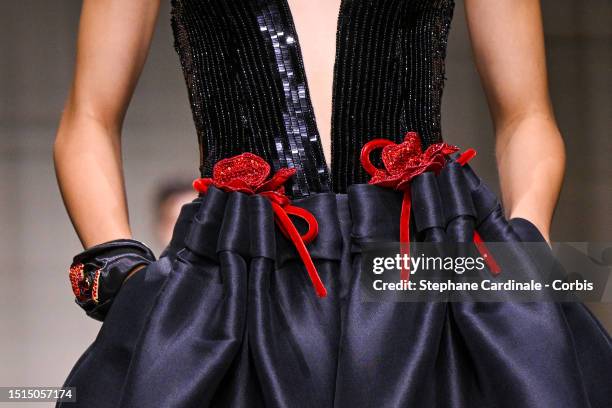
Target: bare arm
(113,42)
(507,39)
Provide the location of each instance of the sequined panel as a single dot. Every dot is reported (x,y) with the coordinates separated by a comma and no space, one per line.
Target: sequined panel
(299,147)
(248,91)
(389,78)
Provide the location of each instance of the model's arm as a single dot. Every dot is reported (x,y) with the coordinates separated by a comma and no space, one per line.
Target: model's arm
(508,43)
(114,38)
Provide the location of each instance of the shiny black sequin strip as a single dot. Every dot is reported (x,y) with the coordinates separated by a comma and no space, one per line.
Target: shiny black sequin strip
(299,146)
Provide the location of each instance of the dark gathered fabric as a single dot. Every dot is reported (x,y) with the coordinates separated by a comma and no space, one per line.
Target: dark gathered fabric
(227,317)
(248,90)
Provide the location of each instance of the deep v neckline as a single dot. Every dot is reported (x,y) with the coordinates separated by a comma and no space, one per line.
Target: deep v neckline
(317,143)
(247,92)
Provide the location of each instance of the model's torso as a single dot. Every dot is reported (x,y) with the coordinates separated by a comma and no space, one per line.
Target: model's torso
(316,23)
(246,62)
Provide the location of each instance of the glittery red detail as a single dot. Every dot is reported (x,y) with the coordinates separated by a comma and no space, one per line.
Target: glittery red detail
(77,281)
(248,168)
(250,174)
(95,286)
(403,162)
(246,173)
(84,287)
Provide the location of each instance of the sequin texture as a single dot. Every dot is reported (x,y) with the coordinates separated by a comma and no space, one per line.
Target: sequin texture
(298,147)
(77,281)
(84,284)
(248,89)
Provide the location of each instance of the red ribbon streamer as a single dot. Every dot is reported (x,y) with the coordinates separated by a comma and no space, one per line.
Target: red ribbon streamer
(493,266)
(248,173)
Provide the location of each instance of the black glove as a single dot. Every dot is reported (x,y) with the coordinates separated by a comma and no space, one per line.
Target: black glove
(96,274)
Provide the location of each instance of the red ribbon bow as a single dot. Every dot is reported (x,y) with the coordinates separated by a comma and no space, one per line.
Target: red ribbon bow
(403,162)
(248,173)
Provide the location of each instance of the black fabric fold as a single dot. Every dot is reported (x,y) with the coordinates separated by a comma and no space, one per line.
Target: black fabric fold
(457,195)
(375,213)
(227,317)
(427,207)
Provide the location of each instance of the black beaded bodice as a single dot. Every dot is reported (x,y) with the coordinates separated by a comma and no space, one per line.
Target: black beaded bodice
(248,92)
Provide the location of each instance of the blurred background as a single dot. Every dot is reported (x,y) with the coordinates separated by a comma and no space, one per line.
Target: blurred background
(43,332)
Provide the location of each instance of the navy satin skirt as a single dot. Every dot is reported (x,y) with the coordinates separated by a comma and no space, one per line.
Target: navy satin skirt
(227,317)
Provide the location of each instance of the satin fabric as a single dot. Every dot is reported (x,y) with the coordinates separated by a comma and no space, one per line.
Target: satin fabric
(227,316)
